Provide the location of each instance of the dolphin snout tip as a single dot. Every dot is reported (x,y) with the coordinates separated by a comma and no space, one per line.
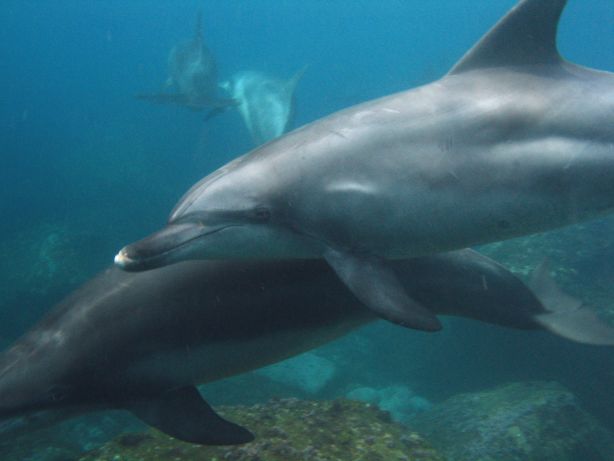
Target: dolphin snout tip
(122,259)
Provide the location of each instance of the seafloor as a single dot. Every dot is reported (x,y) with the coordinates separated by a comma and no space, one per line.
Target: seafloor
(287,430)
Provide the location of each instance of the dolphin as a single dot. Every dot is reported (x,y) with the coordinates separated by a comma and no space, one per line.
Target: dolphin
(142,341)
(513,140)
(265,103)
(193,73)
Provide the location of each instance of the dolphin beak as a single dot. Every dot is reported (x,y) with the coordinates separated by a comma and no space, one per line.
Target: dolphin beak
(161,248)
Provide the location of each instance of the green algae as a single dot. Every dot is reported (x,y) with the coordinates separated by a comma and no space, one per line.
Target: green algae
(287,430)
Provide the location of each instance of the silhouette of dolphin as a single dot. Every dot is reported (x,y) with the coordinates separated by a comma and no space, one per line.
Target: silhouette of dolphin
(142,341)
(193,72)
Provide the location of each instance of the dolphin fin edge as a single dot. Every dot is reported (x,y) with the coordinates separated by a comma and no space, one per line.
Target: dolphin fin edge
(565,316)
(183,414)
(293,81)
(376,285)
(198,28)
(526,35)
(582,326)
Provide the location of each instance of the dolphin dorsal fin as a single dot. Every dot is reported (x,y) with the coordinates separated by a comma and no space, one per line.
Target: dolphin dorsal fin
(524,36)
(198,29)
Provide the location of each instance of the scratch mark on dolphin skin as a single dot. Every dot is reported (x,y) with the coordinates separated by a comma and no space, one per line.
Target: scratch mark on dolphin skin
(351,186)
(360,116)
(338,133)
(453,174)
(10,366)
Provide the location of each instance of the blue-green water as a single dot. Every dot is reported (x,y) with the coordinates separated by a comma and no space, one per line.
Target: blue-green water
(87,168)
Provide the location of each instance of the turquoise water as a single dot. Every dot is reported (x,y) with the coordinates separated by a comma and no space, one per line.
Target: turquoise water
(87,168)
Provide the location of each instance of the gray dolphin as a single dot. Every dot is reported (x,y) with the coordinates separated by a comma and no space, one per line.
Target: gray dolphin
(193,73)
(142,341)
(513,140)
(265,103)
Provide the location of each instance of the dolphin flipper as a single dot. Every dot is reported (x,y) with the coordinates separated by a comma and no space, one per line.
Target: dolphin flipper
(164,98)
(217,105)
(182,413)
(377,287)
(566,316)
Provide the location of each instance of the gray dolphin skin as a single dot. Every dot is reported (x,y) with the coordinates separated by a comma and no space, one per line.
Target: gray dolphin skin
(193,73)
(265,103)
(513,140)
(142,341)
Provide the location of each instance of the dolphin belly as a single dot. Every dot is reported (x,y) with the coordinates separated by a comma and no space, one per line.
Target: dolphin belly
(211,362)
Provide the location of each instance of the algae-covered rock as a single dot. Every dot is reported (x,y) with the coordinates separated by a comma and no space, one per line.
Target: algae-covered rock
(65,441)
(42,258)
(308,372)
(38,266)
(518,422)
(402,403)
(287,430)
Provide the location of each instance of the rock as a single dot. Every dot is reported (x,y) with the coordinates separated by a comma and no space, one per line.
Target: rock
(536,421)
(38,266)
(289,430)
(308,372)
(66,441)
(399,400)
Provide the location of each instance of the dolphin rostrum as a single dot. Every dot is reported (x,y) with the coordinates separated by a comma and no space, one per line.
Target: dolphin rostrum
(142,341)
(193,73)
(513,140)
(265,103)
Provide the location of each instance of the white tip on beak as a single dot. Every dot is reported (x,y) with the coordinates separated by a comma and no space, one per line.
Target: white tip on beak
(121,259)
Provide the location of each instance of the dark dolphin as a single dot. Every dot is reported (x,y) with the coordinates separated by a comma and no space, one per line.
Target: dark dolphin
(142,341)
(513,141)
(193,73)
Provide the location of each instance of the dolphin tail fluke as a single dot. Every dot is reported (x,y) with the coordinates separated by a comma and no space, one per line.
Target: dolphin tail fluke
(566,316)
(183,414)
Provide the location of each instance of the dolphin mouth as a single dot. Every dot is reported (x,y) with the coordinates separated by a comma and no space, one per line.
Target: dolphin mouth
(161,248)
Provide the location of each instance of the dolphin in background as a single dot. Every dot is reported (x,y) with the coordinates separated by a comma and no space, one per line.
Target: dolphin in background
(265,103)
(193,73)
(513,140)
(142,341)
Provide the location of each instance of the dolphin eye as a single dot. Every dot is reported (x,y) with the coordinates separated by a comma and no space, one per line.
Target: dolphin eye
(262,214)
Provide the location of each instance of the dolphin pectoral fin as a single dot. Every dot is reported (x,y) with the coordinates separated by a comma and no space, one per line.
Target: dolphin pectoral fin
(164,98)
(376,285)
(566,316)
(182,413)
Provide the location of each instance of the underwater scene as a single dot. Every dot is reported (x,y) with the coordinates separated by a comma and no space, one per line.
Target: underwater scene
(284,230)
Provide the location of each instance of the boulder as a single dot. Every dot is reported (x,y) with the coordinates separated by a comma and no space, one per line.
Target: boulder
(533,421)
